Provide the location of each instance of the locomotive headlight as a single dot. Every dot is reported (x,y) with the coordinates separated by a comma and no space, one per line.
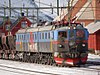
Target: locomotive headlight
(60,46)
(83,45)
(56,54)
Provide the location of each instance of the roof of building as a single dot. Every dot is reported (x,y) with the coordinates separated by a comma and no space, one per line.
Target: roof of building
(86,12)
(93,27)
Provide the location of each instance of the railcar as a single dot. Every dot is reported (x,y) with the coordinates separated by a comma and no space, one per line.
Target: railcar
(7,46)
(43,45)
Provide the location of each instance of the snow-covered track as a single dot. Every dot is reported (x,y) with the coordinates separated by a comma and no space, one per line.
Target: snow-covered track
(41,69)
(23,71)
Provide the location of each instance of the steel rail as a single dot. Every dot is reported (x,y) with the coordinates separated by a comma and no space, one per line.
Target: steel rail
(24,70)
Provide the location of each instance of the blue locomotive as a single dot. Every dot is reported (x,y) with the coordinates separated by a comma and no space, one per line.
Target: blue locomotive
(53,44)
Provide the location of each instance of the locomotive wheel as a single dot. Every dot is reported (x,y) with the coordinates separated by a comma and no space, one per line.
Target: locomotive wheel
(25,57)
(16,57)
(36,58)
(0,56)
(31,59)
(11,56)
(48,60)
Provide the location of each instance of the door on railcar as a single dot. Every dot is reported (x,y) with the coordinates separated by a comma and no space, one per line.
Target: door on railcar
(33,42)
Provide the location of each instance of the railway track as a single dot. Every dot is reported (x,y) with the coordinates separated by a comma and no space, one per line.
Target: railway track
(33,69)
(23,71)
(90,66)
(87,65)
(93,63)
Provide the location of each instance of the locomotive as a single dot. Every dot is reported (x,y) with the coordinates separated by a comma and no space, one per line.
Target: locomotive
(50,44)
(58,44)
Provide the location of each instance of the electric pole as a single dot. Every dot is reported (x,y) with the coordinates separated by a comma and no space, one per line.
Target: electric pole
(10,8)
(58,7)
(70,3)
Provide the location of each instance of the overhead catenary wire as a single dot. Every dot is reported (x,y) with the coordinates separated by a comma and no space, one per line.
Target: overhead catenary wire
(42,8)
(42,3)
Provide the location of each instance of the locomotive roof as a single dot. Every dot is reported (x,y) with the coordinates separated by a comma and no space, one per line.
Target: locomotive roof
(34,29)
(42,28)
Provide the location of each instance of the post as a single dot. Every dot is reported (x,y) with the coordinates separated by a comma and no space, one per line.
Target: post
(70,3)
(58,7)
(27,12)
(51,8)
(69,12)
(10,8)
(37,15)
(4,11)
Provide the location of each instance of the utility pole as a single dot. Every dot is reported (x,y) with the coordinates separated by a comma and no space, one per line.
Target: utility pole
(58,7)
(39,3)
(10,8)
(70,3)
(51,8)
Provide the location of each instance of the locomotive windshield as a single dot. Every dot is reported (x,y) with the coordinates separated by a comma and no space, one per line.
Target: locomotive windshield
(62,35)
(80,34)
(71,35)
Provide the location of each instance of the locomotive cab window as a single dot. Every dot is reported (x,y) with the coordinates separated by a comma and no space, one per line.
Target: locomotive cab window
(62,35)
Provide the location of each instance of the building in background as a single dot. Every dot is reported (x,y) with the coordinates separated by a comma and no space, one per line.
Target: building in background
(12,26)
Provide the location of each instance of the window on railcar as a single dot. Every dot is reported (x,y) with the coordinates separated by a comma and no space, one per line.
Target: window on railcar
(28,37)
(48,35)
(45,35)
(22,36)
(42,35)
(17,37)
(35,36)
(52,35)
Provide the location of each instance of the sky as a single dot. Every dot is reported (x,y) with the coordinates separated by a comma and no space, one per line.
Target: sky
(53,2)
(43,3)
(46,3)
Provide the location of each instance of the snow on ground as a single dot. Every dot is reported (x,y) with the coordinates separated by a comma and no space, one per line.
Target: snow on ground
(49,69)
(95,58)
